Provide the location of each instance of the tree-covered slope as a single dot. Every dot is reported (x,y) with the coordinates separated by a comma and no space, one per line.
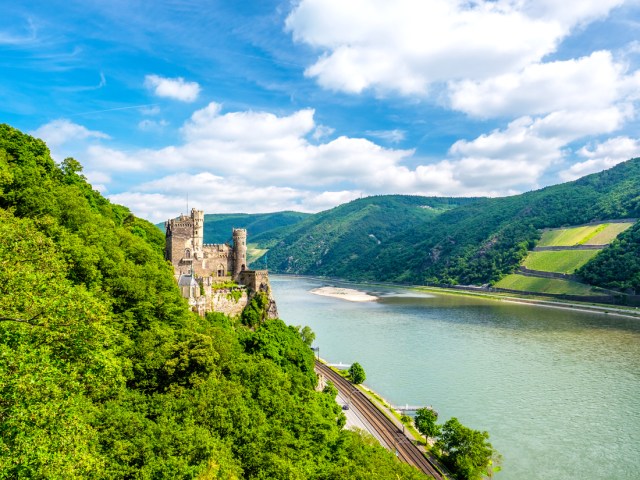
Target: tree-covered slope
(105,373)
(618,265)
(475,243)
(334,241)
(218,226)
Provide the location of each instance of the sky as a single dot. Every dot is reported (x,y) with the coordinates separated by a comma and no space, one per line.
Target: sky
(272,105)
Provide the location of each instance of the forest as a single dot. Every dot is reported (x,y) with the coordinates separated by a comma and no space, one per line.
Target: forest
(105,373)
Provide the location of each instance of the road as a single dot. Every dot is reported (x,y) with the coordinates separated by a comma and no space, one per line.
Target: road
(390,434)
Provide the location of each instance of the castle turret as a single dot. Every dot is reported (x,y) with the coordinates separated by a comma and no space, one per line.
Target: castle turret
(198,231)
(239,251)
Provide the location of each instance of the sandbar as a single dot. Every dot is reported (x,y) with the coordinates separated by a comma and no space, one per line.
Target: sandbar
(345,294)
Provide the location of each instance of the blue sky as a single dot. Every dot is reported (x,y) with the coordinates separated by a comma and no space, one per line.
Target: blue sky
(274,105)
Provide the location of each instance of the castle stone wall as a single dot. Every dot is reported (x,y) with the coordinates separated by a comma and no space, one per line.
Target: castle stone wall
(222,301)
(210,264)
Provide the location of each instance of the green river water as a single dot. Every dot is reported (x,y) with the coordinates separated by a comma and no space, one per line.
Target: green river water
(558,391)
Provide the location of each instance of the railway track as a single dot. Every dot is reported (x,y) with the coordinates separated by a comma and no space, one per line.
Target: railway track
(388,431)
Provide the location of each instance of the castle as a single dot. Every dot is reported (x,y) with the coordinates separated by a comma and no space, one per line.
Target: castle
(206,273)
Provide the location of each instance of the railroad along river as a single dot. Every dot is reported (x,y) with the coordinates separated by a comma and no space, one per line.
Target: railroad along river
(557,390)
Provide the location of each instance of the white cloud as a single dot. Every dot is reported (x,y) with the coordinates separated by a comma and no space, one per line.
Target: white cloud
(164,198)
(517,156)
(152,125)
(176,88)
(392,136)
(587,83)
(602,156)
(106,159)
(406,45)
(258,161)
(61,131)
(322,131)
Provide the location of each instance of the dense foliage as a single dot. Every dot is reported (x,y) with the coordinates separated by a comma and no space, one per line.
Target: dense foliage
(391,238)
(425,421)
(466,451)
(337,241)
(356,373)
(617,266)
(104,372)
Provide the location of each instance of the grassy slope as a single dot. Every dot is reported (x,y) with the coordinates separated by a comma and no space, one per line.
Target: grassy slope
(600,234)
(544,285)
(607,235)
(567,261)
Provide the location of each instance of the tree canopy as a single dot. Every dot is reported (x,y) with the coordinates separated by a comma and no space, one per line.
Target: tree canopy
(105,373)
(425,421)
(356,373)
(467,451)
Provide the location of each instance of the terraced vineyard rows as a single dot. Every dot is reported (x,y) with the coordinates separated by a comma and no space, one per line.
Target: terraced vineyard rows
(563,251)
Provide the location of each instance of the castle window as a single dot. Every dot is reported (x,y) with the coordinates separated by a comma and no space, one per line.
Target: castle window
(187,253)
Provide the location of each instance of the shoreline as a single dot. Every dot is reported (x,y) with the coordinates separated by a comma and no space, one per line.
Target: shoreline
(573,306)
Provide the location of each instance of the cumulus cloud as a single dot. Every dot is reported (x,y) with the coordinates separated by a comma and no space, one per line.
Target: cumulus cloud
(61,131)
(516,157)
(601,156)
(258,161)
(166,197)
(591,82)
(407,45)
(176,88)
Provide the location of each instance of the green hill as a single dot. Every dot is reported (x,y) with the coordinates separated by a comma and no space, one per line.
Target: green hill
(617,266)
(334,242)
(105,373)
(468,242)
(218,226)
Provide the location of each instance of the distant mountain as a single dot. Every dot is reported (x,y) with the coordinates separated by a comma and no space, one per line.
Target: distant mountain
(218,226)
(446,241)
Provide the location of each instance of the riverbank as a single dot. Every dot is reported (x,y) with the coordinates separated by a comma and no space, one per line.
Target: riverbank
(619,311)
(628,312)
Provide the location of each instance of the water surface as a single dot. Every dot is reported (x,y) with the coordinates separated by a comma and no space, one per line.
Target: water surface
(558,391)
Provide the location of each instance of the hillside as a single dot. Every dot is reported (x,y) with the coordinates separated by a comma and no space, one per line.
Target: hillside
(476,242)
(105,373)
(218,226)
(334,242)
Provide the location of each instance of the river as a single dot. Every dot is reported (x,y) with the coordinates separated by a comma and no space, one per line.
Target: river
(557,390)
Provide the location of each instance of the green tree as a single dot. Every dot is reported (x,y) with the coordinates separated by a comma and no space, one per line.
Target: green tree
(467,452)
(307,335)
(425,422)
(356,373)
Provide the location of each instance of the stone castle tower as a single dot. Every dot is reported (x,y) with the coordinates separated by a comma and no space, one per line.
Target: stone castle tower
(239,251)
(210,266)
(186,250)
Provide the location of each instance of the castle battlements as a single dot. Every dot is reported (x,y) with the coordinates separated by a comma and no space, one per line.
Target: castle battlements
(208,264)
